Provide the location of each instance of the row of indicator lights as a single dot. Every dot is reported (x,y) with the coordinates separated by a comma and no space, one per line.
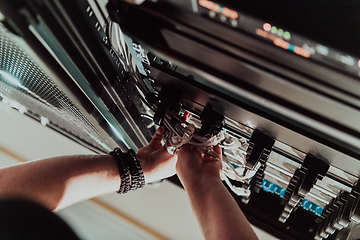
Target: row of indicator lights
(219,9)
(319,48)
(283,44)
(345,59)
(278,31)
(268,186)
(288,46)
(223,18)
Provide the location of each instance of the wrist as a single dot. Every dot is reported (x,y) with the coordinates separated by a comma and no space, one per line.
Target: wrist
(199,183)
(130,171)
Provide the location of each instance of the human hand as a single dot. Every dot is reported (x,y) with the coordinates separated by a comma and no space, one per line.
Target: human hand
(155,160)
(194,167)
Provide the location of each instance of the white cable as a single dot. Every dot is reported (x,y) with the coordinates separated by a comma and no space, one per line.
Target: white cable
(232,173)
(180,135)
(215,140)
(174,142)
(237,190)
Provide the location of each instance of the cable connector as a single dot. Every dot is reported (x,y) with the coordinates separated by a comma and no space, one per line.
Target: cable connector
(174,141)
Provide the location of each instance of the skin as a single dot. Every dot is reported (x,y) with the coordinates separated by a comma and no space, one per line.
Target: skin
(217,212)
(61,181)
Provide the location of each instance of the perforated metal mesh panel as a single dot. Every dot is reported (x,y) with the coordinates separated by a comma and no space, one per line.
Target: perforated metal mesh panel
(21,80)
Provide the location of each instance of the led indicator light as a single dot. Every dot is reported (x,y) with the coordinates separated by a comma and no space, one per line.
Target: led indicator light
(223,18)
(359,63)
(265,34)
(234,23)
(212,14)
(347,60)
(280,32)
(302,52)
(209,5)
(291,47)
(219,9)
(274,29)
(322,49)
(281,43)
(230,13)
(285,45)
(287,36)
(267,27)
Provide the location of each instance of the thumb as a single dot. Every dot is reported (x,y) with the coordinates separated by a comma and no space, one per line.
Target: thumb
(158,136)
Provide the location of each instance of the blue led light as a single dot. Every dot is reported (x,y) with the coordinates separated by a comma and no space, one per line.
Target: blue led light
(291,47)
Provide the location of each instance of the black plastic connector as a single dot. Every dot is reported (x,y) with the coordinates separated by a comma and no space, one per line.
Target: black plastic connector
(304,179)
(117,10)
(167,100)
(212,122)
(260,144)
(259,150)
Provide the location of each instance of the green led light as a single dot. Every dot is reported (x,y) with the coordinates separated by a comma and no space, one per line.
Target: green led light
(287,35)
(273,29)
(280,32)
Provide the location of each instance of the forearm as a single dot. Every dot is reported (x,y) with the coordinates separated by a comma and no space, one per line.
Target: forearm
(58,182)
(217,212)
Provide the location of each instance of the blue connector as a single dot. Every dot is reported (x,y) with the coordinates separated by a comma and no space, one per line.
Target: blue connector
(268,186)
(310,206)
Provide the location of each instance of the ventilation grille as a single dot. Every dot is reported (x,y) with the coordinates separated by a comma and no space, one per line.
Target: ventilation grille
(22,81)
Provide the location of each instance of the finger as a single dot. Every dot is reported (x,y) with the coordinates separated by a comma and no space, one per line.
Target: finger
(218,150)
(158,136)
(206,156)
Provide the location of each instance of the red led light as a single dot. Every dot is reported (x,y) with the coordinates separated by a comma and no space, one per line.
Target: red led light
(284,44)
(209,5)
(217,8)
(230,13)
(267,27)
(302,52)
(281,43)
(359,63)
(265,34)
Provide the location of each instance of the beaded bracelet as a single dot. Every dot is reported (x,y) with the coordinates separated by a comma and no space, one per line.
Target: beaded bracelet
(124,171)
(129,168)
(137,175)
